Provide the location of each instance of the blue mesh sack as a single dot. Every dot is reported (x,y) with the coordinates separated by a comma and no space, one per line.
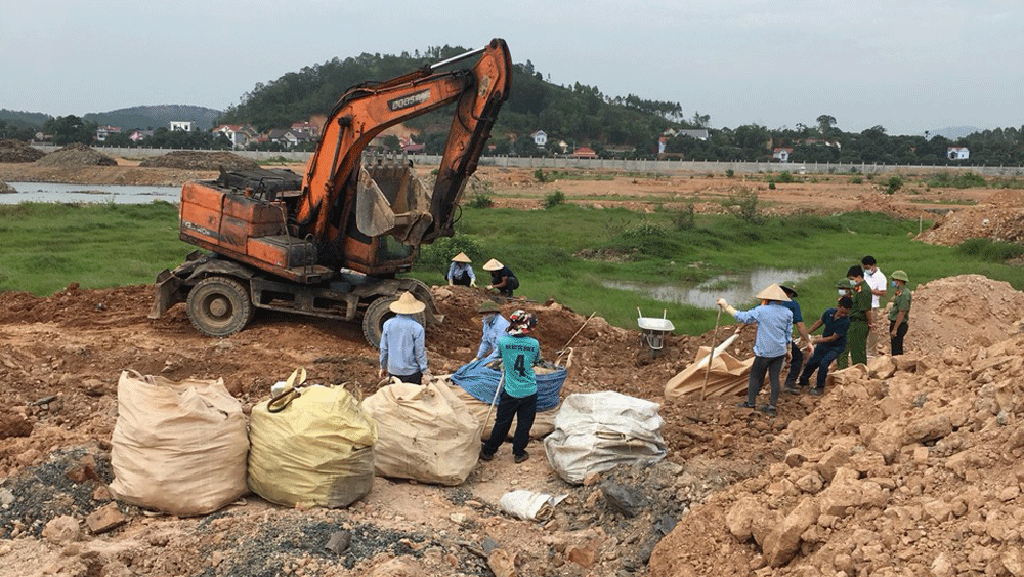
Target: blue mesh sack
(480,379)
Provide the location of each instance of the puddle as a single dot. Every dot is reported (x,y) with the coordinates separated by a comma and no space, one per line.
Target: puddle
(735,288)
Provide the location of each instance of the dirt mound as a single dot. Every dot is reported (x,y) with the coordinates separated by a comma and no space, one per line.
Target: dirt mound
(962,311)
(6,188)
(192,160)
(907,467)
(17,151)
(999,218)
(76,154)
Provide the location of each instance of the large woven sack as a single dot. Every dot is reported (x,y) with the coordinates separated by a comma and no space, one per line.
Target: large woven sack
(597,431)
(484,414)
(728,377)
(178,447)
(316,450)
(424,433)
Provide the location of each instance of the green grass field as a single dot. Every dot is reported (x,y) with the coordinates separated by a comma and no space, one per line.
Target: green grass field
(562,253)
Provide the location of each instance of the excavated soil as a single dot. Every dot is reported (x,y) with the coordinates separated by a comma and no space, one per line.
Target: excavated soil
(18,151)
(76,154)
(886,464)
(1000,217)
(193,160)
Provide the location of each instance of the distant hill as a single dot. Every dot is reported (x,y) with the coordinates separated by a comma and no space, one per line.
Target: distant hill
(23,119)
(156,116)
(954,132)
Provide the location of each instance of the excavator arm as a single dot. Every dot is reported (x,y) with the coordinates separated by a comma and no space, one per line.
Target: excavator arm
(333,184)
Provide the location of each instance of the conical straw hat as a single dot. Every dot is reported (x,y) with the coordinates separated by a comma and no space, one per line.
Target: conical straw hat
(493,265)
(407,305)
(461,257)
(772,292)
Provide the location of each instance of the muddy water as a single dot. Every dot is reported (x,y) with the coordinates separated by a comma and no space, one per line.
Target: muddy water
(735,288)
(88,193)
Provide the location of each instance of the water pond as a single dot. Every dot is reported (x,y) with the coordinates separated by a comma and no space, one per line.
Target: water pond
(89,193)
(735,288)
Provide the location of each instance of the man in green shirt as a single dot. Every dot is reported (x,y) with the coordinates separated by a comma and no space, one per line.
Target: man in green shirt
(860,316)
(900,313)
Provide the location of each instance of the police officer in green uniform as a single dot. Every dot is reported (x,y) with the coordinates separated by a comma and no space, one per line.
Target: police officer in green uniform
(900,313)
(860,316)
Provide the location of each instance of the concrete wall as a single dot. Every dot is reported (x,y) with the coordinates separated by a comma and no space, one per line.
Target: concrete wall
(638,166)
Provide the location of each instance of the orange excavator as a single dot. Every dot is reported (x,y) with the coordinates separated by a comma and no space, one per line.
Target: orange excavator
(330,243)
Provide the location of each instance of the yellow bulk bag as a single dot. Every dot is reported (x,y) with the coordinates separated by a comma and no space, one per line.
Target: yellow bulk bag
(178,447)
(315,450)
(426,433)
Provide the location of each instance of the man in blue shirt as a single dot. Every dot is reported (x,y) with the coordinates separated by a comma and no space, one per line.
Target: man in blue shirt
(494,326)
(798,355)
(771,344)
(829,345)
(461,271)
(519,352)
(403,353)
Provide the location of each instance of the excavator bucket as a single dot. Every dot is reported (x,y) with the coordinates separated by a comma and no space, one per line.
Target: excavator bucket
(391,199)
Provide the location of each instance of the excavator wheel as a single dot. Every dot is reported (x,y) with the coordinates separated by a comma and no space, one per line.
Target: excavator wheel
(378,312)
(219,306)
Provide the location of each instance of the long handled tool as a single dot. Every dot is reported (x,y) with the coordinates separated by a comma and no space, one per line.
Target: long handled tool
(494,402)
(578,331)
(711,355)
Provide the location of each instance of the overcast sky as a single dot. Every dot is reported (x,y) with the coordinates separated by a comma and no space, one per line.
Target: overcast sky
(907,65)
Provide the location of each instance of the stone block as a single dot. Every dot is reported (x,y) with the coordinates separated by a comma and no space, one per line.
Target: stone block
(782,544)
(106,518)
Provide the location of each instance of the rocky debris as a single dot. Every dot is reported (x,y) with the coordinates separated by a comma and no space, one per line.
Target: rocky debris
(106,518)
(76,154)
(999,218)
(6,188)
(917,473)
(18,151)
(194,160)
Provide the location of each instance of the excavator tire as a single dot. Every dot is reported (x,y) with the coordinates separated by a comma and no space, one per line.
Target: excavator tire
(219,306)
(378,312)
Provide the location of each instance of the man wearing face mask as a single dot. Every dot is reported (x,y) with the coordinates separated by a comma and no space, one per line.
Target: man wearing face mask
(877,281)
(494,325)
(860,316)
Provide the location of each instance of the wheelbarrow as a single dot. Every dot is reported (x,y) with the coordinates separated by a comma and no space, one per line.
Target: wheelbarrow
(654,330)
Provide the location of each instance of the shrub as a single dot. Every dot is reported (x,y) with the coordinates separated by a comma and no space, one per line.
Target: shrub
(771,185)
(730,173)
(894,183)
(856,180)
(554,199)
(742,203)
(786,176)
(684,219)
(481,200)
(541,176)
(992,251)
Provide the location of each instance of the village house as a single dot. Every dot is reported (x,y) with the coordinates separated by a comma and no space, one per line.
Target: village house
(239,134)
(138,135)
(958,153)
(103,132)
(540,138)
(782,153)
(407,144)
(583,152)
(183,125)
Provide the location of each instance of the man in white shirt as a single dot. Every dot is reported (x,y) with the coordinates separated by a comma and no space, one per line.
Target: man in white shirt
(877,281)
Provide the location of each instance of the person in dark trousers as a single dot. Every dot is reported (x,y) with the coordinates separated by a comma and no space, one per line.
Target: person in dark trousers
(502,278)
(845,290)
(519,352)
(797,349)
(829,345)
(460,272)
(860,316)
(771,344)
(900,313)
(403,353)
